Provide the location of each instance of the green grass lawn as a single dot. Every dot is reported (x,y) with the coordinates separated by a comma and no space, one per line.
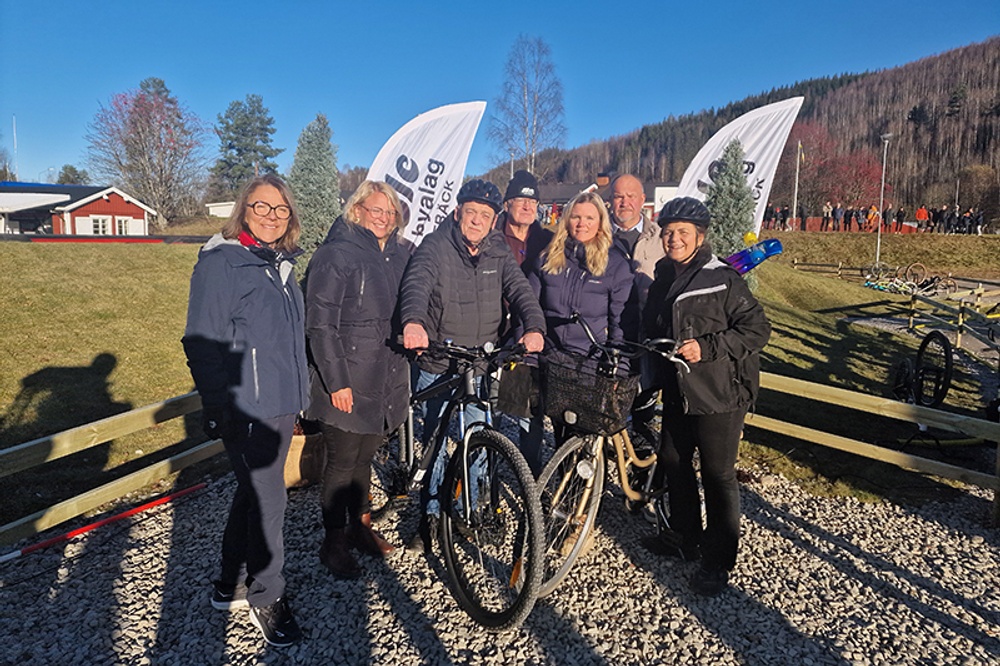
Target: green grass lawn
(94,329)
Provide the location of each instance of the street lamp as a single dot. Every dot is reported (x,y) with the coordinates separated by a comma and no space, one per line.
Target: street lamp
(881,196)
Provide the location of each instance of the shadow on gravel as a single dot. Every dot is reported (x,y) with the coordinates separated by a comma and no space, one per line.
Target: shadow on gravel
(845,553)
(755,632)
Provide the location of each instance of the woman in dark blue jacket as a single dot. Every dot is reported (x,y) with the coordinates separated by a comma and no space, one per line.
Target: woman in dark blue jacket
(359,383)
(583,272)
(245,345)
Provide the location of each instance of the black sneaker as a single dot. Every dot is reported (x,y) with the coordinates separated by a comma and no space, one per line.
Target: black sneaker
(710,582)
(276,623)
(228,597)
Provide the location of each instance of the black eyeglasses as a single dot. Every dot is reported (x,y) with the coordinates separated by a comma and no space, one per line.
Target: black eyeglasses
(263,209)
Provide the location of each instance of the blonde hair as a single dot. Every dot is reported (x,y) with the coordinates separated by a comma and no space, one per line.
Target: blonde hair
(597,249)
(236,223)
(365,190)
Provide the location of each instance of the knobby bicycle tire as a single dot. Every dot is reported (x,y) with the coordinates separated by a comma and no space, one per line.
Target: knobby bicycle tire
(493,554)
(389,475)
(934,368)
(570,487)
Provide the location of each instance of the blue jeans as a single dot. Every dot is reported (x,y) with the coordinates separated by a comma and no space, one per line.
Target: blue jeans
(433,409)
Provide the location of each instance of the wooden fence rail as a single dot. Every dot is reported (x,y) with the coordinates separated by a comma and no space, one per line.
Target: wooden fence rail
(39,451)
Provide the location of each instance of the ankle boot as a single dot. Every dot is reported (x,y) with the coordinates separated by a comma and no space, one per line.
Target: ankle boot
(367,540)
(336,555)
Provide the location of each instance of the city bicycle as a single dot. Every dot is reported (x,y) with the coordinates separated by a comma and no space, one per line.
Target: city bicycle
(591,396)
(490,525)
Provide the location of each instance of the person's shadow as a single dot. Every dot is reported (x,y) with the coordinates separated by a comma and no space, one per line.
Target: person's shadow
(51,400)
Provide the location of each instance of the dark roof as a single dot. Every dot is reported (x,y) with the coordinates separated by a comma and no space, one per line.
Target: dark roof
(562,192)
(75,192)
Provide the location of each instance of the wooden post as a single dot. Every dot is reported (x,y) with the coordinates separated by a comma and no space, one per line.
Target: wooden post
(961,325)
(840,268)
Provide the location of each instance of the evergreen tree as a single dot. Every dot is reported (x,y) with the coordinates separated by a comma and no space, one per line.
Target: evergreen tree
(245,148)
(315,184)
(730,201)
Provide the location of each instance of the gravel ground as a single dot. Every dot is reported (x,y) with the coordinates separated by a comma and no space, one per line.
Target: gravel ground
(819,581)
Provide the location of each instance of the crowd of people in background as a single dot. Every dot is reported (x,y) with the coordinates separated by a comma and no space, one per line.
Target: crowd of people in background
(836,216)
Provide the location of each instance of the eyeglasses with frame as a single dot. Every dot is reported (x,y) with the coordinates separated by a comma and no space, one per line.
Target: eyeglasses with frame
(263,209)
(388,213)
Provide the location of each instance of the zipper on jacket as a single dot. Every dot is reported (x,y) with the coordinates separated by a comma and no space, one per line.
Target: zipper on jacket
(256,382)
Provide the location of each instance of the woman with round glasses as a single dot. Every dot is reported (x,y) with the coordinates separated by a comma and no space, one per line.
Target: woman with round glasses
(245,345)
(359,383)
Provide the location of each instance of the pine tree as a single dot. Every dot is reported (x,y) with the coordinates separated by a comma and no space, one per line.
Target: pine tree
(245,148)
(730,201)
(315,184)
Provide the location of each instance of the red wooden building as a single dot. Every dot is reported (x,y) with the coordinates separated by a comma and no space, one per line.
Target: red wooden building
(89,211)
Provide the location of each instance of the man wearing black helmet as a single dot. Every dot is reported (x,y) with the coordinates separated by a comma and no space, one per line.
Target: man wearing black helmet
(454,288)
(702,302)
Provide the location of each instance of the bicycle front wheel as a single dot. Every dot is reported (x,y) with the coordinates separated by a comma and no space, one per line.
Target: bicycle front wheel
(491,531)
(571,486)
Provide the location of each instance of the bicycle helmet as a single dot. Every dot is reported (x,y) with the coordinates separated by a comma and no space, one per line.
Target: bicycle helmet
(482,191)
(684,209)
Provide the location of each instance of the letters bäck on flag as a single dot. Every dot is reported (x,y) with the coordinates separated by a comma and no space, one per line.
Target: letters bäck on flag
(425,163)
(762,133)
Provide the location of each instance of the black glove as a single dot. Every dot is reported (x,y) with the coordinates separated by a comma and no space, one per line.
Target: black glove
(214,421)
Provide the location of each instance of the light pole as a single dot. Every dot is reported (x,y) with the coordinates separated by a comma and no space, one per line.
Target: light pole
(881,196)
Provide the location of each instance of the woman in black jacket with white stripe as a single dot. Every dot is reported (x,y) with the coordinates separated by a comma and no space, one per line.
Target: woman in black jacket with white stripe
(701,301)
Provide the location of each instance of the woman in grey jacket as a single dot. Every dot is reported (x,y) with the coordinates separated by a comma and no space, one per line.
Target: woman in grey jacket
(702,302)
(360,383)
(245,345)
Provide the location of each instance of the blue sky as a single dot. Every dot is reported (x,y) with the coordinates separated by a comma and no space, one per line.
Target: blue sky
(370,67)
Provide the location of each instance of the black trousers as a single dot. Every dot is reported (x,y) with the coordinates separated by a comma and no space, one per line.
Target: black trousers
(254,531)
(347,475)
(716,437)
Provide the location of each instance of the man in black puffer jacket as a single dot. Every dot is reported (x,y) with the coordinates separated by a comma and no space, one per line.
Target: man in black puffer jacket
(454,288)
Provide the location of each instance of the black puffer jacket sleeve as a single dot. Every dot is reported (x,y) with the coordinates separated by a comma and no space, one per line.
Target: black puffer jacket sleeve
(418,281)
(324,299)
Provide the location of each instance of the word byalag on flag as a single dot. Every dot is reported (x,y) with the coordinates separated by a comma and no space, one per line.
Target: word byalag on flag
(762,133)
(425,163)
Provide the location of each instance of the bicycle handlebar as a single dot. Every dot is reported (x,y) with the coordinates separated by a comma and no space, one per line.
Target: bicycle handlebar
(665,347)
(470,354)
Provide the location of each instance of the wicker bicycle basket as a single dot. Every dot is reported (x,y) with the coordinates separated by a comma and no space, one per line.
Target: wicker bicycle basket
(578,394)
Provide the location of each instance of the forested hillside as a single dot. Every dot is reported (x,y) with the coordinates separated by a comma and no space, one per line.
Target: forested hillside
(943,112)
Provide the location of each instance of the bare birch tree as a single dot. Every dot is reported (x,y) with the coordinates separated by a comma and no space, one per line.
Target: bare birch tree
(145,142)
(528,114)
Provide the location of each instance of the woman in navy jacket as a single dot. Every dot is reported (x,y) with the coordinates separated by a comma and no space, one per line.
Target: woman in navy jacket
(583,272)
(245,345)
(359,382)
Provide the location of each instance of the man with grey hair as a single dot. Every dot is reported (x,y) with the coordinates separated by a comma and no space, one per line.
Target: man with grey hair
(641,242)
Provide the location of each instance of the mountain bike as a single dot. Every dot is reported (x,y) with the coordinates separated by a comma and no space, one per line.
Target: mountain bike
(592,395)
(490,528)
(926,381)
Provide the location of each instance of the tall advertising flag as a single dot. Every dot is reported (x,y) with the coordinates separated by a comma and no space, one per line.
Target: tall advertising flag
(425,163)
(762,133)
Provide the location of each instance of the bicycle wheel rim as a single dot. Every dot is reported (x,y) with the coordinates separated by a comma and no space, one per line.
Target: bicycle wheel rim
(934,368)
(492,555)
(569,502)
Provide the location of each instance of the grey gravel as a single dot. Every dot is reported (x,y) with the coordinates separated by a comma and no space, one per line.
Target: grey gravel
(819,581)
